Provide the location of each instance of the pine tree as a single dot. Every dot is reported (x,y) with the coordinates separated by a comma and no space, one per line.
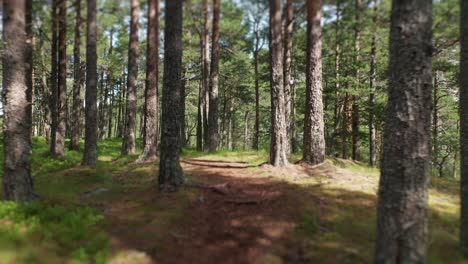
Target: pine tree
(17,88)
(170,172)
(91,125)
(314,137)
(402,207)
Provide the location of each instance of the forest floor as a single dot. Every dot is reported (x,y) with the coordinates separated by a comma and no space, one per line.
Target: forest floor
(233,209)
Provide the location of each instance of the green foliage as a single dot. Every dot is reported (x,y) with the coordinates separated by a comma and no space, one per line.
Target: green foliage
(72,232)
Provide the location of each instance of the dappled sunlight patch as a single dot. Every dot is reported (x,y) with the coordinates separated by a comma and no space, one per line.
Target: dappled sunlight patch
(131,256)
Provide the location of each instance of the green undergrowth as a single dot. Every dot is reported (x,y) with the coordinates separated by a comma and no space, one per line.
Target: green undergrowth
(60,227)
(41,233)
(335,219)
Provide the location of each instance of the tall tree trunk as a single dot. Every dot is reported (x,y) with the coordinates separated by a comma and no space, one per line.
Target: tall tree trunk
(110,111)
(213,133)
(53,78)
(151,89)
(62,106)
(356,153)
(122,104)
(129,145)
(200,103)
(464,125)
(372,84)
(46,95)
(402,207)
(183,138)
(101,102)
(314,135)
(278,149)
(206,73)
(288,43)
(344,126)
(170,172)
(294,137)
(435,121)
(17,66)
(91,126)
(337,110)
(256,138)
(30,49)
(77,104)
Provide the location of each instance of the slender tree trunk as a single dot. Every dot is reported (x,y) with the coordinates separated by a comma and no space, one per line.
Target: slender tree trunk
(183,139)
(372,84)
(62,106)
(314,135)
(294,137)
(344,126)
(53,79)
(402,207)
(17,67)
(30,51)
(46,94)
(91,125)
(288,43)
(230,127)
(278,149)
(464,125)
(246,129)
(356,153)
(170,172)
(206,73)
(201,102)
(337,109)
(213,133)
(151,89)
(129,145)
(435,121)
(110,111)
(257,90)
(77,103)
(123,99)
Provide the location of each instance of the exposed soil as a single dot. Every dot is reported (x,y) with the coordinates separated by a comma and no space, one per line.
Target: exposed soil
(227,213)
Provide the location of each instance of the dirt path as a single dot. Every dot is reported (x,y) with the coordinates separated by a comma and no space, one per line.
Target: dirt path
(227,213)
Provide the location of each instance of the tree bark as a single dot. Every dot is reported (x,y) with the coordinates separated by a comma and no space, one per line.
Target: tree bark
(294,136)
(201,102)
(356,152)
(62,106)
(246,129)
(278,149)
(435,121)
(31,42)
(402,206)
(183,139)
(372,84)
(205,74)
(464,125)
(129,145)
(77,103)
(256,138)
(314,135)
(337,109)
(91,126)
(288,43)
(213,133)
(53,79)
(17,66)
(151,91)
(170,172)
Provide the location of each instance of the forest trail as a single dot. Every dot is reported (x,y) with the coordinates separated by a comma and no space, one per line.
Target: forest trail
(230,212)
